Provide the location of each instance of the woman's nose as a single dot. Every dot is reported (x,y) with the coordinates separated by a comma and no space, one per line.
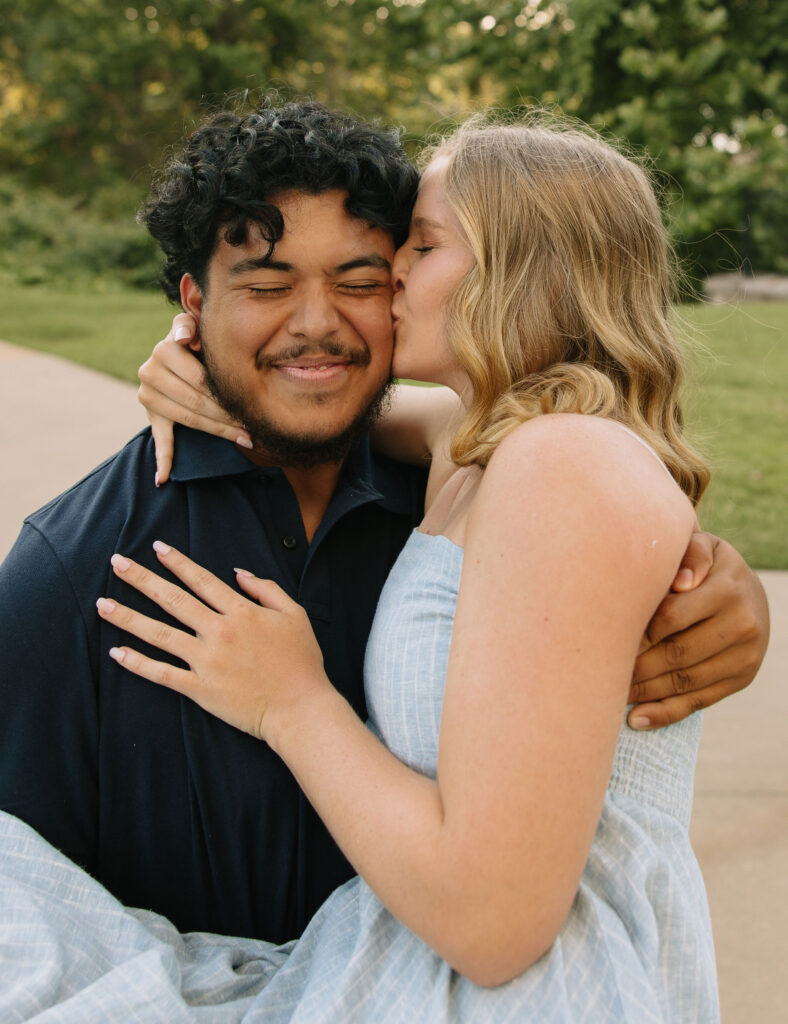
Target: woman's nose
(399,269)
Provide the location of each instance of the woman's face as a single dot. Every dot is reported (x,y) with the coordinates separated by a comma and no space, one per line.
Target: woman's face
(426,272)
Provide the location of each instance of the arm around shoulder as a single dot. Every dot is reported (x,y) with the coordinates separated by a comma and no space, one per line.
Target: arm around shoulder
(416,422)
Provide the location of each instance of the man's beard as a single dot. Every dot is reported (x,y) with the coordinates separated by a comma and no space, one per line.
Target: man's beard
(297,449)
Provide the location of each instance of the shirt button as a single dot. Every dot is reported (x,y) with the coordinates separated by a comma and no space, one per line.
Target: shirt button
(289,542)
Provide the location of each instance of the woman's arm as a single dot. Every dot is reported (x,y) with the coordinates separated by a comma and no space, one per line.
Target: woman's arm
(418,423)
(484,863)
(173,390)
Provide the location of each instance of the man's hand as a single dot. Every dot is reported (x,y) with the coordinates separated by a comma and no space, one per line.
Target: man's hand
(706,640)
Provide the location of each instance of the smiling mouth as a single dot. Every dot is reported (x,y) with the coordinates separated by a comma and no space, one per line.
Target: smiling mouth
(313,373)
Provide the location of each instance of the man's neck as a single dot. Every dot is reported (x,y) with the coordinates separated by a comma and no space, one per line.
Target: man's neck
(313,490)
(313,487)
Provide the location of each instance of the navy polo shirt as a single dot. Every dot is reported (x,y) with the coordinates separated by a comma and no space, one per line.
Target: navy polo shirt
(170,808)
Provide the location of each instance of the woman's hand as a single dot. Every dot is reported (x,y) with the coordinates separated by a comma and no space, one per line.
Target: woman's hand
(706,640)
(173,390)
(247,662)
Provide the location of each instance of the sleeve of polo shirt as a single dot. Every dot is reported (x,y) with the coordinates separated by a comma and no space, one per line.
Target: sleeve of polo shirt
(48,717)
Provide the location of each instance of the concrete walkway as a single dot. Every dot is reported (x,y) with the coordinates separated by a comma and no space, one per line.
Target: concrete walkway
(59,420)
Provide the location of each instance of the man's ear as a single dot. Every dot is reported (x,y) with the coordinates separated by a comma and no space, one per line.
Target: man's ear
(191,300)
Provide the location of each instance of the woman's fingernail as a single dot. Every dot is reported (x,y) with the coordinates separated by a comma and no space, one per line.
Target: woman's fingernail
(244,572)
(105,605)
(117,653)
(181,333)
(156,478)
(244,442)
(640,722)
(161,547)
(120,563)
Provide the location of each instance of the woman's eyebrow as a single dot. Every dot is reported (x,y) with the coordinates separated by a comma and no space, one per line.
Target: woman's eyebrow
(425,222)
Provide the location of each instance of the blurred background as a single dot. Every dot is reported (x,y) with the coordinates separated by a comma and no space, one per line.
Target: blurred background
(92,94)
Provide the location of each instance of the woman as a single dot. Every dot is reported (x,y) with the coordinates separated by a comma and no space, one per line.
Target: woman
(516,863)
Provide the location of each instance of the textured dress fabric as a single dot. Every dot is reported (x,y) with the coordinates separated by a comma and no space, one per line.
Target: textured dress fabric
(636,946)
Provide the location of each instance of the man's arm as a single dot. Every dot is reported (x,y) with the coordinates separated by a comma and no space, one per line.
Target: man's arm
(48,720)
(706,640)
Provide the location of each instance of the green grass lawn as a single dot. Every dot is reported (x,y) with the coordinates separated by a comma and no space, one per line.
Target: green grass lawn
(111,330)
(736,403)
(737,411)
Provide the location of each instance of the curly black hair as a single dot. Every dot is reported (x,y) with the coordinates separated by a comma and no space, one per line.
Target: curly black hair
(234,165)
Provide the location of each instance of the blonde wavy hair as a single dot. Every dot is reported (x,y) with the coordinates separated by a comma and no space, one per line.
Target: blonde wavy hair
(566,308)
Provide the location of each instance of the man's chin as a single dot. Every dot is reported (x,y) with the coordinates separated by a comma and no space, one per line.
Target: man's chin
(302,449)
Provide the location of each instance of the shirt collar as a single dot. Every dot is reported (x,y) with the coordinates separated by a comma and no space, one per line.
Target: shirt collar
(377,478)
(200,456)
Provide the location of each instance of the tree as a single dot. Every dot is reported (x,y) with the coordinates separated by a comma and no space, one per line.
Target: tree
(91,93)
(700,85)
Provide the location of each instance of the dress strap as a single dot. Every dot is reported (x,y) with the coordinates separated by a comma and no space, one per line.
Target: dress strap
(645,444)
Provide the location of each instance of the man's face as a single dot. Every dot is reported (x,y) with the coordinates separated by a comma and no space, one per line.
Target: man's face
(298,346)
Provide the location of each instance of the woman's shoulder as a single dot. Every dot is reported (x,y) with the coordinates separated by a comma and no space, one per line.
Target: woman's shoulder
(587,477)
(575,430)
(578,448)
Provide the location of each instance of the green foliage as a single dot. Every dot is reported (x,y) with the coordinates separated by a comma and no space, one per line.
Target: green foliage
(94,91)
(699,84)
(91,93)
(47,238)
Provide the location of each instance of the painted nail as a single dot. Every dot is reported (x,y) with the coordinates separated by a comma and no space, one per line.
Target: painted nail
(161,547)
(244,442)
(117,653)
(120,563)
(156,478)
(181,333)
(640,722)
(105,605)
(244,572)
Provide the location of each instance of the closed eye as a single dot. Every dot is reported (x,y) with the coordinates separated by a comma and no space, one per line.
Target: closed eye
(363,289)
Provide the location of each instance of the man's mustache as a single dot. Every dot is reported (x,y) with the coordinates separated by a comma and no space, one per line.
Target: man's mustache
(334,349)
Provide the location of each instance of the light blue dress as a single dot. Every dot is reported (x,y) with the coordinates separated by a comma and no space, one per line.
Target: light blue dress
(636,947)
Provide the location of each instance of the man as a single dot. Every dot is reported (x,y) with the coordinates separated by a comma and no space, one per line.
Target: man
(278,230)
